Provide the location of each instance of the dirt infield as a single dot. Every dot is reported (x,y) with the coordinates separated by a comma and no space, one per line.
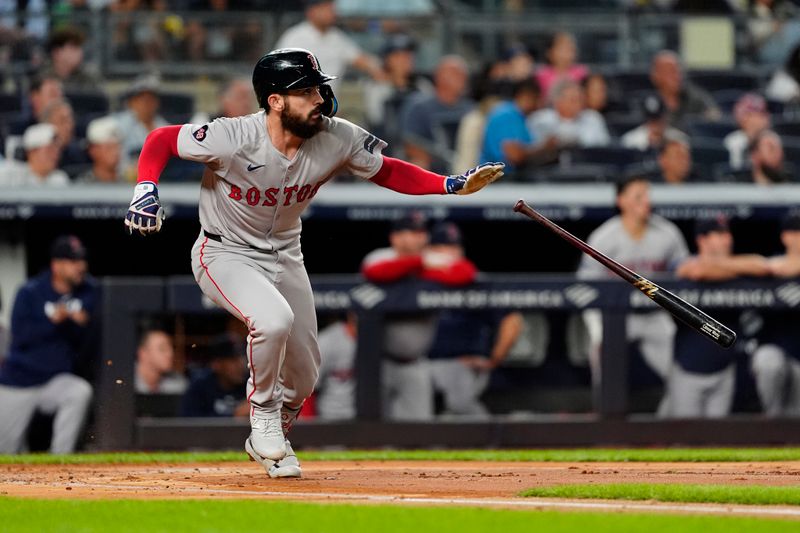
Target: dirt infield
(446,483)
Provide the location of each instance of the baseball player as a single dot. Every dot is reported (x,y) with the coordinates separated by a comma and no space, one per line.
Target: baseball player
(262,171)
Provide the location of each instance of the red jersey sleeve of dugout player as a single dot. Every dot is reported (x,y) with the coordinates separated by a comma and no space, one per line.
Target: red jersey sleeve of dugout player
(160,145)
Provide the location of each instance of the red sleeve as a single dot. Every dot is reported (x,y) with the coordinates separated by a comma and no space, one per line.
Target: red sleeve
(160,145)
(392,269)
(406,178)
(461,272)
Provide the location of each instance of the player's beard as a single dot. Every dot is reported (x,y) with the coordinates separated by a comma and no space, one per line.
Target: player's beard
(305,128)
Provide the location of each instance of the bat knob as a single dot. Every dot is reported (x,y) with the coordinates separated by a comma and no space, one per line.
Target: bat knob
(519,205)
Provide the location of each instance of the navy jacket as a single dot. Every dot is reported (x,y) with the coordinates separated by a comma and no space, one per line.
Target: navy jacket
(40,349)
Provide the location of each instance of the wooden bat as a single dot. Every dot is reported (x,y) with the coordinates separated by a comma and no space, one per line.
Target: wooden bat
(683,310)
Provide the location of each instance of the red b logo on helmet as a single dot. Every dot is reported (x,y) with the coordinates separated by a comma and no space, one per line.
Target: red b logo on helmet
(313,60)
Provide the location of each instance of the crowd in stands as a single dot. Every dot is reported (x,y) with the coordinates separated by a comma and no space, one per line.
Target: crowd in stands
(547,115)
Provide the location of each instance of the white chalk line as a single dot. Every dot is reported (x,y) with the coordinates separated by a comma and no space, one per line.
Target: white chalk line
(522,503)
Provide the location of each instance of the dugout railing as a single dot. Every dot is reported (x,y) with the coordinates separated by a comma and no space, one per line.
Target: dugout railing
(126,300)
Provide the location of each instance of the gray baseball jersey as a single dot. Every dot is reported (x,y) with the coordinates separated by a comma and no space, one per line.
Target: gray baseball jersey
(254,195)
(337,390)
(251,198)
(660,249)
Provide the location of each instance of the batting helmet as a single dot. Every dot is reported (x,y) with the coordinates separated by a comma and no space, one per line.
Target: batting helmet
(291,68)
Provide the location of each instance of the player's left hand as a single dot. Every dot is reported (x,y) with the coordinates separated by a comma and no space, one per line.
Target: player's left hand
(474,179)
(145,213)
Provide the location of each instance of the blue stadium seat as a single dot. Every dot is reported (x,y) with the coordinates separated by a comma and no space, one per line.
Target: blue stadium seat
(706,153)
(789,128)
(575,173)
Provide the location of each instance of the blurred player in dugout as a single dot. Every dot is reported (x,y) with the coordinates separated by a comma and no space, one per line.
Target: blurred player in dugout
(50,332)
(648,244)
(468,344)
(701,383)
(407,383)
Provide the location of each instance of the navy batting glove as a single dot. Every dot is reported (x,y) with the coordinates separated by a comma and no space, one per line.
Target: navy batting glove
(474,179)
(145,213)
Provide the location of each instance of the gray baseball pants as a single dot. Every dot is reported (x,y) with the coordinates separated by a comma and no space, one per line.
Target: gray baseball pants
(691,395)
(407,390)
(460,385)
(777,377)
(269,292)
(66,396)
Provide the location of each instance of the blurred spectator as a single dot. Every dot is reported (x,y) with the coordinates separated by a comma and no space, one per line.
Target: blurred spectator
(407,387)
(385,99)
(103,137)
(773,29)
(562,54)
(236,99)
(59,114)
(648,244)
(776,361)
(752,116)
(507,137)
(141,116)
(682,99)
(333,48)
(219,390)
(336,387)
(65,60)
(468,344)
(652,134)
(50,326)
(767,161)
(213,39)
(485,91)
(42,91)
(675,162)
(701,381)
(430,122)
(42,153)
(568,120)
(595,88)
(784,86)
(155,362)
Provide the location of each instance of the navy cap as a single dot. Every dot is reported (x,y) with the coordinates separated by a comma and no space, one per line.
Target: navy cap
(791,223)
(445,233)
(68,247)
(413,220)
(709,225)
(398,42)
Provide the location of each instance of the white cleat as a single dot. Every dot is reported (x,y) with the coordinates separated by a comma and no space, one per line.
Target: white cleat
(266,436)
(289,466)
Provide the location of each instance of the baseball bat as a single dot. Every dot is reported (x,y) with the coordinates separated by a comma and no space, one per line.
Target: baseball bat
(683,310)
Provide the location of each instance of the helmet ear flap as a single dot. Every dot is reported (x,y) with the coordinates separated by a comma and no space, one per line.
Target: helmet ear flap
(330,104)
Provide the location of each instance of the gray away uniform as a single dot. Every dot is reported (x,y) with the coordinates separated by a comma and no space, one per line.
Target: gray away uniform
(251,200)
(660,250)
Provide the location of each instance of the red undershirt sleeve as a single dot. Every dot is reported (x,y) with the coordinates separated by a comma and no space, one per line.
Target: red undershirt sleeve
(392,269)
(160,145)
(461,272)
(407,178)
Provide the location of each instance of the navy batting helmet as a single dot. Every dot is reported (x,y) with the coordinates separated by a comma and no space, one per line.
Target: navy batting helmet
(292,68)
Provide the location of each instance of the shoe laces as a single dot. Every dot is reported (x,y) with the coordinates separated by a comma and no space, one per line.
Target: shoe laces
(269,426)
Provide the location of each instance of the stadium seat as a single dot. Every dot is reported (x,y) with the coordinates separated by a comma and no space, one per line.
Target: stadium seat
(787,129)
(706,153)
(711,130)
(84,102)
(717,80)
(177,108)
(616,156)
(577,173)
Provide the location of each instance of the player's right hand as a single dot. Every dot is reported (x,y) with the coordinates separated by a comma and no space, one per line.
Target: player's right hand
(145,213)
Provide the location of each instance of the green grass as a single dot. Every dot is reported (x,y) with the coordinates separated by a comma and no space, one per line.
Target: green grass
(581,455)
(123,516)
(747,495)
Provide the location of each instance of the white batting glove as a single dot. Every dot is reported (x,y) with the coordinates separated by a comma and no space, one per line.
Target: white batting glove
(474,179)
(145,213)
